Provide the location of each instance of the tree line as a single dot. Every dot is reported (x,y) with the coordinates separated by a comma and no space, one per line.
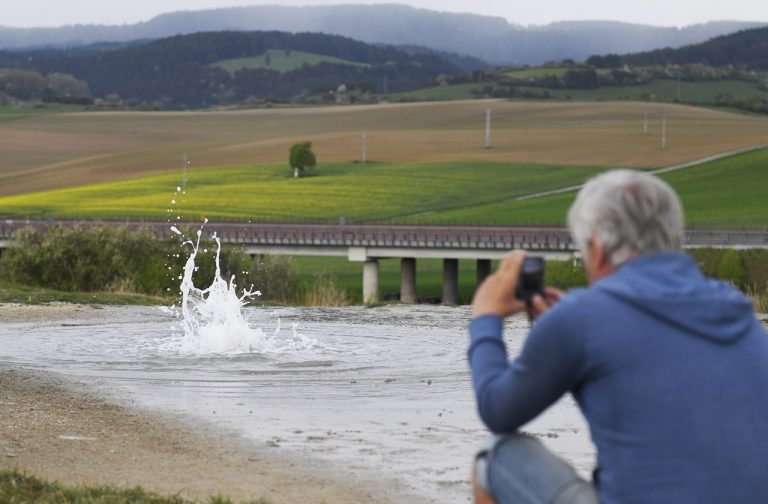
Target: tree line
(177,72)
(747,48)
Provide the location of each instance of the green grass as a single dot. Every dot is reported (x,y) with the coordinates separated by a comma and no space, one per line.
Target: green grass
(665,90)
(280,60)
(349,276)
(373,192)
(440,93)
(525,73)
(12,293)
(730,193)
(659,90)
(17,487)
(10,113)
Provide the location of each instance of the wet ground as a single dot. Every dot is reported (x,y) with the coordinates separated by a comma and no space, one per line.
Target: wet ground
(372,393)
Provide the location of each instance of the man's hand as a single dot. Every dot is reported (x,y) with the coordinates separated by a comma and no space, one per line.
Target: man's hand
(540,305)
(496,296)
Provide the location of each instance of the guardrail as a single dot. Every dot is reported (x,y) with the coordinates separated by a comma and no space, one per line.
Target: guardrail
(400,236)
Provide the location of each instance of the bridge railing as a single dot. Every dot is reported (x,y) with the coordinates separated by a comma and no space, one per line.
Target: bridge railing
(404,236)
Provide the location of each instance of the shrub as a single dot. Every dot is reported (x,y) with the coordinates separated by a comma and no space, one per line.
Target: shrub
(564,274)
(731,268)
(324,292)
(84,259)
(277,277)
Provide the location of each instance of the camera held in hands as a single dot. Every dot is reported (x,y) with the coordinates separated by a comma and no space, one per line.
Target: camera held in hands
(531,279)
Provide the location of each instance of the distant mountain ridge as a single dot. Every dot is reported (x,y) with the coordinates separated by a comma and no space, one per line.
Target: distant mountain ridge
(489,38)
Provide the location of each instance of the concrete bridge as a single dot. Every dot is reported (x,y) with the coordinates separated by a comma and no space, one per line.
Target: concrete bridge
(368,244)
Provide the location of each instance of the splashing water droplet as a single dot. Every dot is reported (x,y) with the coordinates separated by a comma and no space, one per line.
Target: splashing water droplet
(178,188)
(175,230)
(213,319)
(173,202)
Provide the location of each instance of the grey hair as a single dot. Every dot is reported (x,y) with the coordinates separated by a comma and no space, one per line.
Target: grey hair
(628,213)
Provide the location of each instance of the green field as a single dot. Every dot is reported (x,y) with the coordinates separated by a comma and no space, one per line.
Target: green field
(525,73)
(282,61)
(730,193)
(372,192)
(13,112)
(664,90)
(660,90)
(435,93)
(348,276)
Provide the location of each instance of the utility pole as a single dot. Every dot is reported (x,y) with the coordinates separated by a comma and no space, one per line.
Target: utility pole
(365,146)
(678,85)
(645,122)
(664,133)
(487,128)
(184,166)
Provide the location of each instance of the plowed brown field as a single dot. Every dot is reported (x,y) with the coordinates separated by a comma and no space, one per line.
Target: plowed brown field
(61,150)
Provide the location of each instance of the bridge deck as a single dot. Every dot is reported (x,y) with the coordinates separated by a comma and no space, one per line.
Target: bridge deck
(325,239)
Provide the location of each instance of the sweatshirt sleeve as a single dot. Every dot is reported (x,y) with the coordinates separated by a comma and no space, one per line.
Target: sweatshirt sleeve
(510,394)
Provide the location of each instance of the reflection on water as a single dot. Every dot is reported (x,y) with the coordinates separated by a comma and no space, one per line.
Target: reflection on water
(382,391)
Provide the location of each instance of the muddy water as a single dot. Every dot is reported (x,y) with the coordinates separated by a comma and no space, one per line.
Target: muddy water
(372,394)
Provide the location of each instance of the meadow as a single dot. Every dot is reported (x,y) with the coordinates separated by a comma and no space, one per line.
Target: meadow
(15,112)
(524,73)
(72,149)
(662,90)
(281,61)
(727,193)
(359,192)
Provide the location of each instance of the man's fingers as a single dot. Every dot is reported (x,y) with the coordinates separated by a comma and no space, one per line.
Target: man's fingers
(512,263)
(552,295)
(539,305)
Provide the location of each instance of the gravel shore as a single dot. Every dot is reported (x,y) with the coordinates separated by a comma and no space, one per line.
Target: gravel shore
(58,430)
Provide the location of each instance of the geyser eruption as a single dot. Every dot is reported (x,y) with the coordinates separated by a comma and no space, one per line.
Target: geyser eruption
(213,318)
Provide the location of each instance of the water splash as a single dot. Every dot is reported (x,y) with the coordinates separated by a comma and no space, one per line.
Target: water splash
(213,318)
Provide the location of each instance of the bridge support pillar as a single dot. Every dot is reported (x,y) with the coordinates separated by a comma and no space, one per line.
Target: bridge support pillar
(451,281)
(371,281)
(483,270)
(408,280)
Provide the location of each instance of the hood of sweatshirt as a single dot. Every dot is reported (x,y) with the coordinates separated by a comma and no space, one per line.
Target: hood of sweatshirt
(670,287)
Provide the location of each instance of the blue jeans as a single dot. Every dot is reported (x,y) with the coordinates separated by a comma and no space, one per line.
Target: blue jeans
(518,469)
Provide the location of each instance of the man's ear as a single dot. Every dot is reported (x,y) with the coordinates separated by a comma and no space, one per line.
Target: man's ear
(598,263)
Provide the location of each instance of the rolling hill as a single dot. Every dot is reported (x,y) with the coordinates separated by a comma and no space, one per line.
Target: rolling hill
(748,48)
(489,38)
(184,71)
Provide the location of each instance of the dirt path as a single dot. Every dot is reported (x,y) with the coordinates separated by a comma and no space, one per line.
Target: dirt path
(57,430)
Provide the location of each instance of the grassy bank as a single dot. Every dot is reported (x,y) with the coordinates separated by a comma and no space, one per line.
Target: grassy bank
(18,487)
(13,293)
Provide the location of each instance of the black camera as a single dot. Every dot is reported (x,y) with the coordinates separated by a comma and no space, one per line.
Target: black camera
(531,279)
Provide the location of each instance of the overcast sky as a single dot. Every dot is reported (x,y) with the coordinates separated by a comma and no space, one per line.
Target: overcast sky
(27,13)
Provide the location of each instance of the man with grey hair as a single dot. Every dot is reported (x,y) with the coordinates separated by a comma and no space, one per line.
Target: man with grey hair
(669,368)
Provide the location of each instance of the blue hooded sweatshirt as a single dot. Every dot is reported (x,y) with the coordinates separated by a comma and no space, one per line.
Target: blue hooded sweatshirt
(670,369)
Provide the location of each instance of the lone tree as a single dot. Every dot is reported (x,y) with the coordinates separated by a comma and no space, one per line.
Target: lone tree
(301,157)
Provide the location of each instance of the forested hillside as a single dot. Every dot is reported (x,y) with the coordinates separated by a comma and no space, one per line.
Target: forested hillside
(179,71)
(748,48)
